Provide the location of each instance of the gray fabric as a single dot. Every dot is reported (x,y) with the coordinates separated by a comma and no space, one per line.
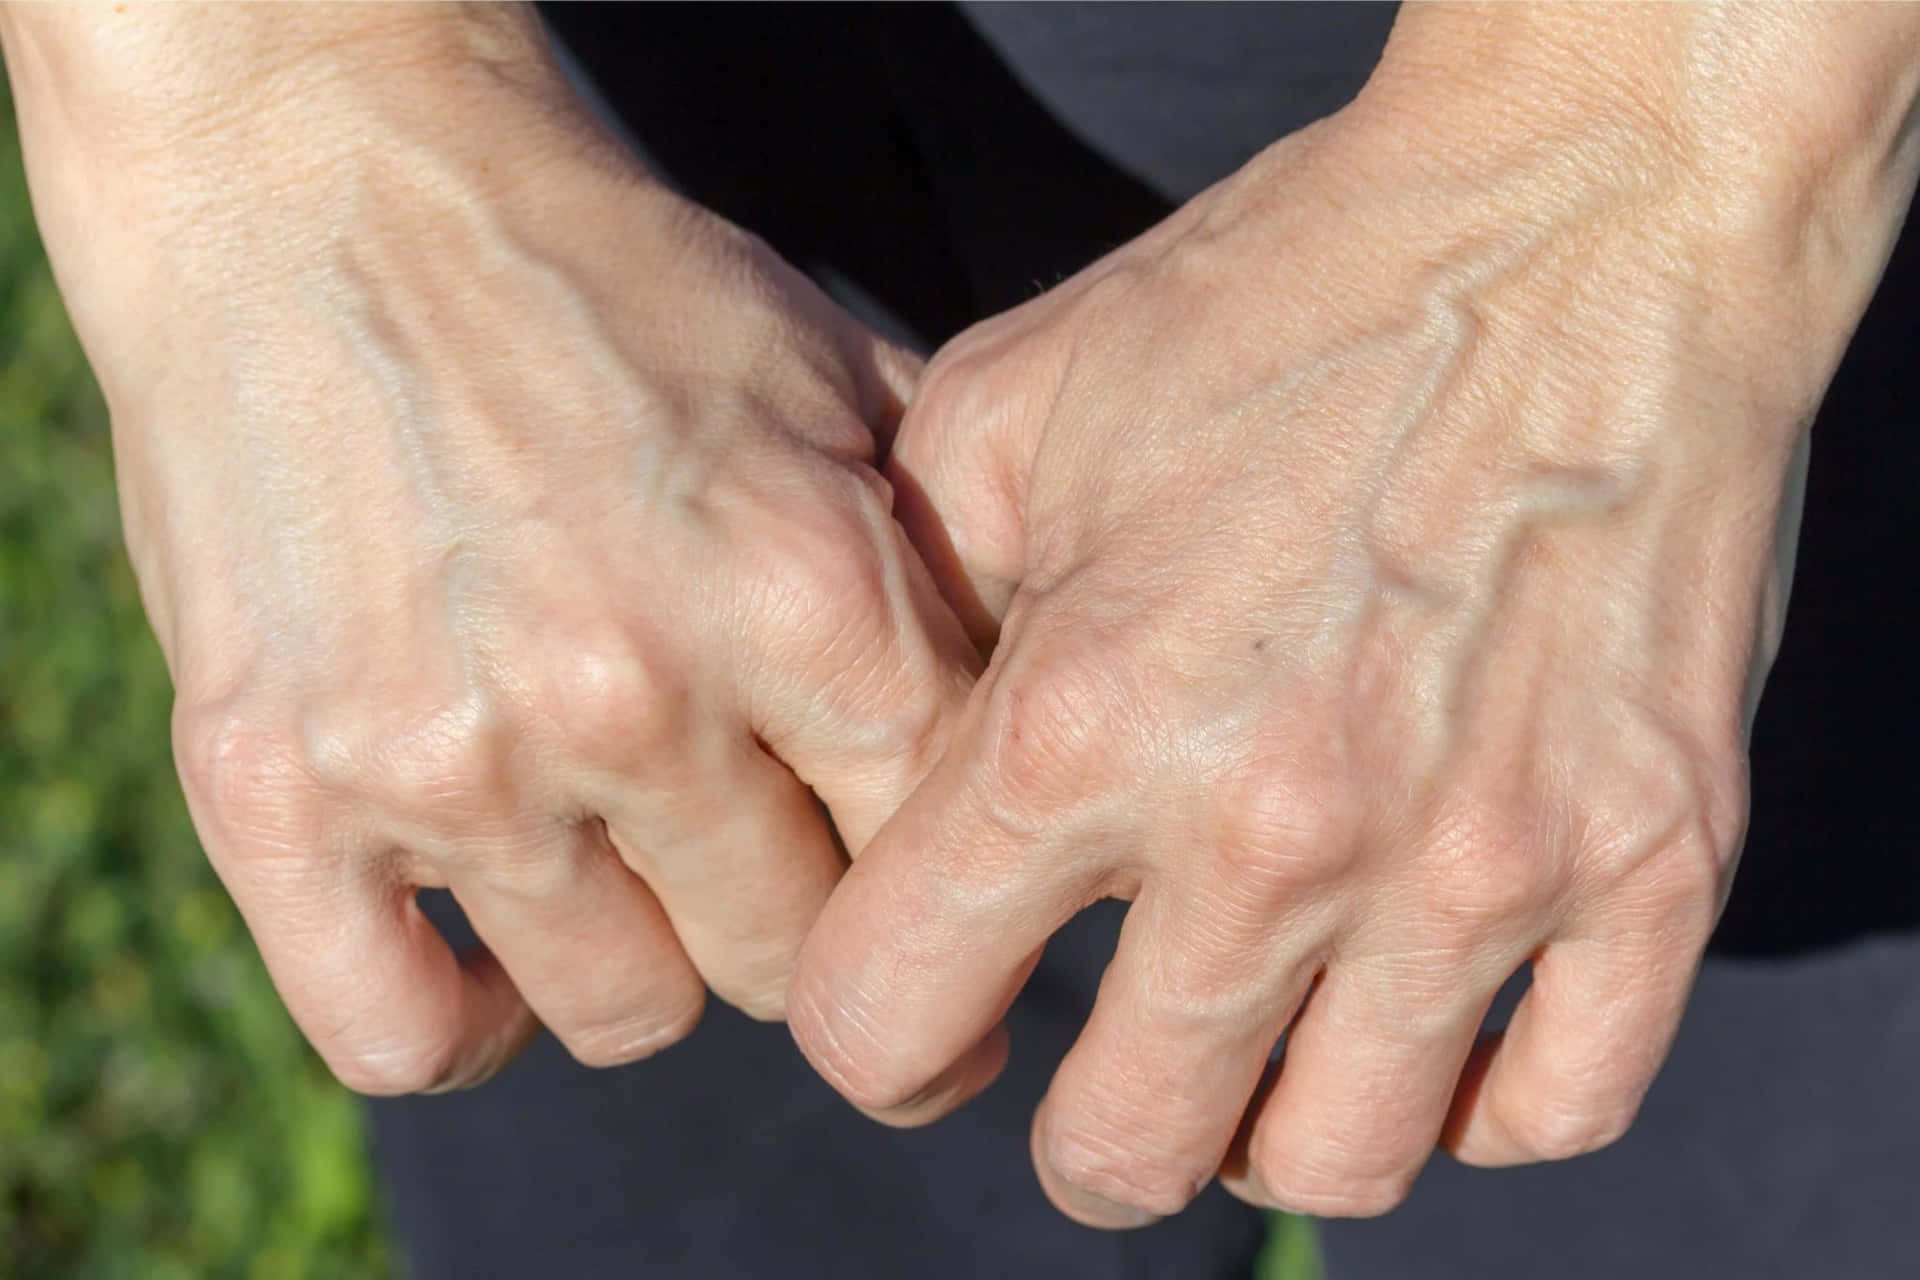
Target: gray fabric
(1180,95)
(1782,1140)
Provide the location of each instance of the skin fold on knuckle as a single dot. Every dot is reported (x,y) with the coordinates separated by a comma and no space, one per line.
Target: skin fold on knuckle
(1278,838)
(1560,1124)
(1063,728)
(1115,1163)
(1492,863)
(845,1037)
(1323,1187)
(249,782)
(639,1035)
(398,1067)
(614,699)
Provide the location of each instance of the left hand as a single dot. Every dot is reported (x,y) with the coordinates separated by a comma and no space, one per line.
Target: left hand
(1386,547)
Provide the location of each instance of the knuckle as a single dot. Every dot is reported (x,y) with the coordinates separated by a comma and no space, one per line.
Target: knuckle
(1114,1167)
(1280,834)
(952,395)
(953,467)
(1549,1129)
(450,762)
(640,1035)
(1326,1192)
(1662,788)
(843,640)
(1726,799)
(1497,864)
(1059,720)
(612,700)
(829,558)
(1663,832)
(844,1045)
(1682,889)
(413,1067)
(249,780)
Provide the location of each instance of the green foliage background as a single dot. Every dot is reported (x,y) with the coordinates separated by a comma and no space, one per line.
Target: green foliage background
(160,1116)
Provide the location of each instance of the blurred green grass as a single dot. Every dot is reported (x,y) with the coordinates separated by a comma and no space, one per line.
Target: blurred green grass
(160,1116)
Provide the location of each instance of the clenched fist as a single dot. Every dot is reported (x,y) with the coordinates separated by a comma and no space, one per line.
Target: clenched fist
(508,523)
(1381,554)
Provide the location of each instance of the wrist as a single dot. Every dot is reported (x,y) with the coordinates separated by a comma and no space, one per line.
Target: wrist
(189,158)
(156,113)
(143,80)
(1760,156)
(1766,97)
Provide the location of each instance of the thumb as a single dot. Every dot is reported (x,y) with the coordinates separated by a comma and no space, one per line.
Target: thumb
(861,683)
(959,467)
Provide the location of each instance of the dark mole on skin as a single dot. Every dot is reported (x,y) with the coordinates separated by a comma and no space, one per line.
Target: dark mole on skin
(1259,643)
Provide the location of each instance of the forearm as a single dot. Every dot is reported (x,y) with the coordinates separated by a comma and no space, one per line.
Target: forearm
(1766,93)
(208,155)
(1767,154)
(151,78)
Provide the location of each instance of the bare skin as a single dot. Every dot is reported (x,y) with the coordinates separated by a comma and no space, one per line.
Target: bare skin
(1378,560)
(508,523)
(1378,557)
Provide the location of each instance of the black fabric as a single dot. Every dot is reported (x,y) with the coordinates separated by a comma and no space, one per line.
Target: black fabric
(1833,848)
(886,145)
(726,1157)
(905,158)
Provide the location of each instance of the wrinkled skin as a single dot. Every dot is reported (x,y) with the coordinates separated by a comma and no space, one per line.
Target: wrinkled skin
(509,525)
(1380,554)
(1378,562)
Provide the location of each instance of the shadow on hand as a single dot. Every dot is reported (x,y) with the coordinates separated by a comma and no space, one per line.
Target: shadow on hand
(941,189)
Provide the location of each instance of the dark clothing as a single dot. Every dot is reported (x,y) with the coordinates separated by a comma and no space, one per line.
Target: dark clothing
(932,167)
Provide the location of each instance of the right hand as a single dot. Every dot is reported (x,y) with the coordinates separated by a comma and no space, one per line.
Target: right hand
(508,524)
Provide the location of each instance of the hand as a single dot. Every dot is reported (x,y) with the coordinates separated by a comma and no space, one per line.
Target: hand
(509,525)
(1386,547)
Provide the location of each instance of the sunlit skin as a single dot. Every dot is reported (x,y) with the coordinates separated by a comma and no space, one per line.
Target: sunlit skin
(1379,558)
(1378,562)
(508,523)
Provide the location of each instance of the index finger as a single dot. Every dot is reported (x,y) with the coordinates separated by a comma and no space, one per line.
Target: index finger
(930,935)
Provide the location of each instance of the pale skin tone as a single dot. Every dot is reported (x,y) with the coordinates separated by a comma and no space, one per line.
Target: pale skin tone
(1376,560)
(509,524)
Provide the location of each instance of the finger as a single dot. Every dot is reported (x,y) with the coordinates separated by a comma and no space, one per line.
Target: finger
(741,860)
(930,521)
(1141,1111)
(887,672)
(1567,1075)
(364,973)
(894,372)
(959,464)
(586,944)
(1363,1089)
(369,979)
(922,948)
(959,1084)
